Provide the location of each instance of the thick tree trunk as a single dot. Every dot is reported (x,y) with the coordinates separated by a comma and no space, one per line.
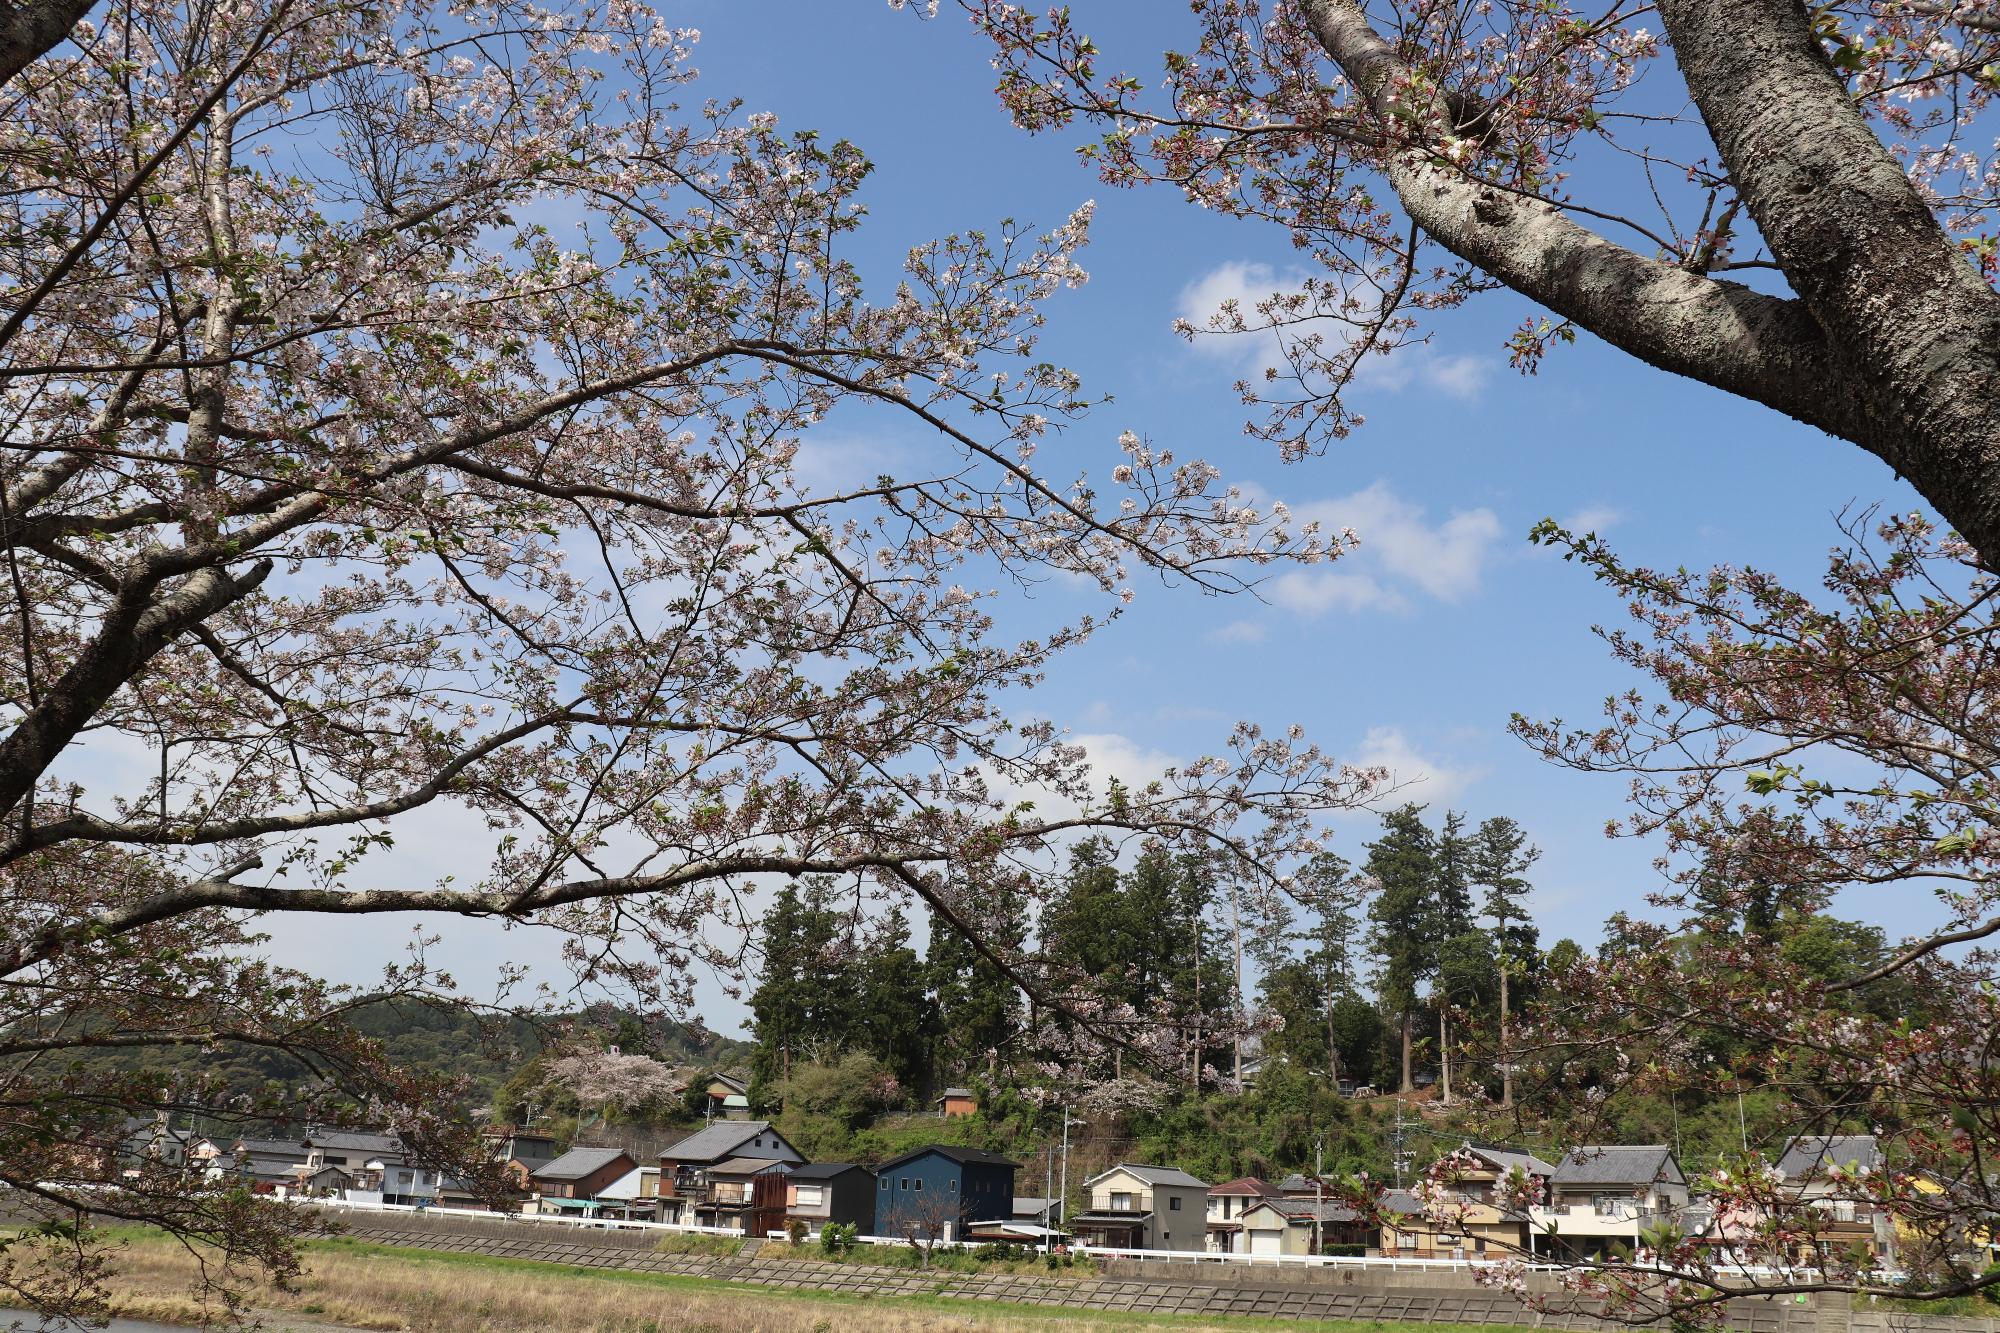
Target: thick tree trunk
(32,29)
(1893,342)
(1506,1056)
(1409,1023)
(1862,248)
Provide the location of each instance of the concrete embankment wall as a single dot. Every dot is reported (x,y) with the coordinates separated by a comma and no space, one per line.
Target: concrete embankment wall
(1191,1289)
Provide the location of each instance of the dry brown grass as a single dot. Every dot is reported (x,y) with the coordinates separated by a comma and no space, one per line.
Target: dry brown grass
(419,1294)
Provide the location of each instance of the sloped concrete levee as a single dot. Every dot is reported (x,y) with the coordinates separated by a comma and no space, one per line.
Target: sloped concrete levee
(1130,1287)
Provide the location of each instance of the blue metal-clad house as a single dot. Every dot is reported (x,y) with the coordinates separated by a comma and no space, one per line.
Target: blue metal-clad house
(935,1193)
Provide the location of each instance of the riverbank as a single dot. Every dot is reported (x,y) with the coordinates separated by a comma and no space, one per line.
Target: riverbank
(355,1286)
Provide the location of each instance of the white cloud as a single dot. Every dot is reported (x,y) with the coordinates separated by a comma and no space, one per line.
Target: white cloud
(1238,631)
(1592,518)
(1461,376)
(1241,284)
(1401,552)
(1110,755)
(1313,593)
(1412,776)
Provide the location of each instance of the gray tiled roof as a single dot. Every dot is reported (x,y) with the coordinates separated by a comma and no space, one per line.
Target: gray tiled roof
(578,1163)
(1328,1211)
(746,1166)
(1617,1164)
(1509,1158)
(1810,1154)
(1159,1175)
(823,1170)
(716,1142)
(355,1142)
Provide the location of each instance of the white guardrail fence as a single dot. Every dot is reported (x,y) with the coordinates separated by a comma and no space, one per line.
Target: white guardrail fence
(1753,1274)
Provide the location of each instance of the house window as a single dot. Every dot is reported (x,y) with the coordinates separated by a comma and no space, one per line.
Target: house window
(885,1183)
(903,1183)
(920,1183)
(1174,1202)
(1121,1203)
(954,1185)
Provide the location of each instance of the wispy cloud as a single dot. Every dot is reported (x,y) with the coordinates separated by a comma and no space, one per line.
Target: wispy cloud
(1238,631)
(1403,554)
(1413,776)
(1238,286)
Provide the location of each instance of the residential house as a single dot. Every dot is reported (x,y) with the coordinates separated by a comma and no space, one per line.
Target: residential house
(572,1181)
(1139,1207)
(154,1141)
(728,1097)
(837,1192)
(520,1149)
(1275,1224)
(1300,1186)
(1810,1165)
(634,1195)
(681,1186)
(955,1102)
(744,1194)
(402,1182)
(1606,1195)
(937,1192)
(1483,1219)
(350,1149)
(1226,1205)
(268,1163)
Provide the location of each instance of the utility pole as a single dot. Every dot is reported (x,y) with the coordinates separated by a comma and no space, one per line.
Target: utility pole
(1048,1185)
(1444,1047)
(1062,1201)
(1319,1194)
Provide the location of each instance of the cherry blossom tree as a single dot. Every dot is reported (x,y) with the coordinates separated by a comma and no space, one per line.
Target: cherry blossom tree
(411,407)
(1788,747)
(613,1079)
(1816,190)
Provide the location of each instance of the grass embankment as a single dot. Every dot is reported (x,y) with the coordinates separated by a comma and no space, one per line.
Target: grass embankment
(418,1291)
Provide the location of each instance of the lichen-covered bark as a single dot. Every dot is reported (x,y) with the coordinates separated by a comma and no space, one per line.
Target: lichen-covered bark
(1861,247)
(29,30)
(1892,342)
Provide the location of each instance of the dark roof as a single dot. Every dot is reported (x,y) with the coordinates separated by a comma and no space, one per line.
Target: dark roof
(1400,1201)
(580,1162)
(1110,1215)
(1329,1211)
(354,1141)
(1244,1185)
(715,1142)
(270,1148)
(963,1156)
(1617,1164)
(824,1170)
(1296,1183)
(952,1092)
(1809,1155)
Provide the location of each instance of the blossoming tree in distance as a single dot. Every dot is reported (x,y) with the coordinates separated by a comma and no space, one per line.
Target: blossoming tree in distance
(405,406)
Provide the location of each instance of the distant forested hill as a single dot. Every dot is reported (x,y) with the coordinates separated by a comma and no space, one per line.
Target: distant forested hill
(432,1039)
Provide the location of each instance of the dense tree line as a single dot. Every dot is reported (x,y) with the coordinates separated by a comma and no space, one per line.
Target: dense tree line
(1332,979)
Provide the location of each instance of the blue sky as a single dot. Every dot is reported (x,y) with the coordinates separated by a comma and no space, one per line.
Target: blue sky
(1416,650)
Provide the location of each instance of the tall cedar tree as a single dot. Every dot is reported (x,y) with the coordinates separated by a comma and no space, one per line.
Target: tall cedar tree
(1501,859)
(1335,893)
(976,1009)
(1404,918)
(894,1004)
